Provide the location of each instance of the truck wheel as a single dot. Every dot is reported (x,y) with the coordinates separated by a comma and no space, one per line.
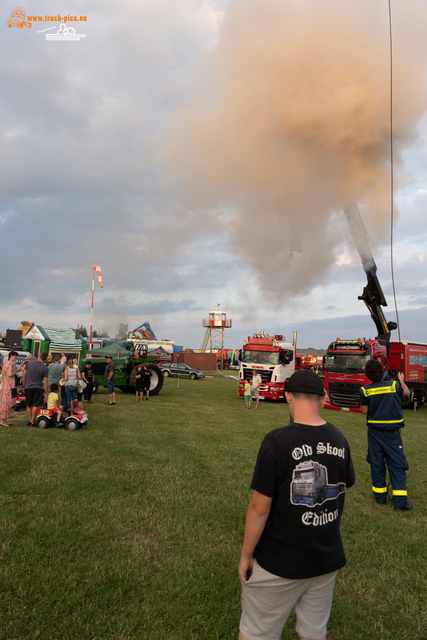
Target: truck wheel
(42,422)
(156,379)
(95,386)
(71,424)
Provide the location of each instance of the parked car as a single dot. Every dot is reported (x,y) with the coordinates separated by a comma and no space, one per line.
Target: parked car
(181,369)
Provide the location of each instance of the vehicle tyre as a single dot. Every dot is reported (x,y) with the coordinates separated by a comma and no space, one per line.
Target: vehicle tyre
(42,422)
(95,387)
(71,424)
(156,379)
(193,376)
(166,373)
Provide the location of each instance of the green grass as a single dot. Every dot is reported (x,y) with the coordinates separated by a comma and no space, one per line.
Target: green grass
(131,527)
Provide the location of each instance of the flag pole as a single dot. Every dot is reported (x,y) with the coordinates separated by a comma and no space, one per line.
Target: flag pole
(91,309)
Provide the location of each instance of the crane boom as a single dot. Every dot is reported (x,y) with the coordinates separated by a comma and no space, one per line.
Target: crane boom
(372,295)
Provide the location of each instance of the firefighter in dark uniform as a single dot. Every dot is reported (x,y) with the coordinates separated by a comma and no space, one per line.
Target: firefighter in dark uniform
(381,402)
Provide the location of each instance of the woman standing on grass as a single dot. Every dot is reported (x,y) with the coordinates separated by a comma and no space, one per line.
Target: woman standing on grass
(8,383)
(71,377)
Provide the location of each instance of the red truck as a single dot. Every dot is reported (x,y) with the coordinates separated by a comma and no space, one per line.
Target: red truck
(273,358)
(345,360)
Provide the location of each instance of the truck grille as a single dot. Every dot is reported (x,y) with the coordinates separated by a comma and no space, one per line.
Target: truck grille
(345,394)
(265,375)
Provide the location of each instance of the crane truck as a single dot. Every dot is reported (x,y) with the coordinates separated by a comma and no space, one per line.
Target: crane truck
(344,362)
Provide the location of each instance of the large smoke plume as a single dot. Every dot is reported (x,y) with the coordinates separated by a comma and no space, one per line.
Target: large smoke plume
(290,121)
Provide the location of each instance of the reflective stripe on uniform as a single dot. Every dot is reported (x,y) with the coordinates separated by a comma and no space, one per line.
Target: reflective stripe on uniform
(384,421)
(380,490)
(379,390)
(400,493)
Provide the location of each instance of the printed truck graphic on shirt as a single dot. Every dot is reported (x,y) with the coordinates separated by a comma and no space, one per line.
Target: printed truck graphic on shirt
(310,486)
(18,19)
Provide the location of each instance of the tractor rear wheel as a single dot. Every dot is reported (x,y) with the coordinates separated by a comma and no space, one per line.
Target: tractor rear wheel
(156,379)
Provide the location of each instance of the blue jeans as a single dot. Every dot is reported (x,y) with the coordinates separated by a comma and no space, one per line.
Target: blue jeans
(71,394)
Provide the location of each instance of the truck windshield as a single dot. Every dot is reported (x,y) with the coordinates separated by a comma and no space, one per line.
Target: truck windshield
(341,362)
(304,476)
(260,357)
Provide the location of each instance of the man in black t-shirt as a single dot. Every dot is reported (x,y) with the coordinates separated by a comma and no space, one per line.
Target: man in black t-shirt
(87,375)
(110,379)
(292,547)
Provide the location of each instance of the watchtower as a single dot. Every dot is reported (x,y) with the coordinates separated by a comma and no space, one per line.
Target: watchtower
(215,324)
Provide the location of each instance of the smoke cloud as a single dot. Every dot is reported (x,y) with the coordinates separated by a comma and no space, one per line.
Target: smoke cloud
(289,121)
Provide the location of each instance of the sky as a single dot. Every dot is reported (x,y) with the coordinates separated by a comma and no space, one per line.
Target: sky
(201,152)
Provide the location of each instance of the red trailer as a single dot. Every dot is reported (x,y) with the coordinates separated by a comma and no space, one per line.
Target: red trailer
(411,359)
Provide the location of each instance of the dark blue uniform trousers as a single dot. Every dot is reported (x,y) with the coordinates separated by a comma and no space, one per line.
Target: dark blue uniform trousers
(385,447)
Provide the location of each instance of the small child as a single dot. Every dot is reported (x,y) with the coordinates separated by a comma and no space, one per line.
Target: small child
(248,394)
(52,402)
(138,384)
(81,385)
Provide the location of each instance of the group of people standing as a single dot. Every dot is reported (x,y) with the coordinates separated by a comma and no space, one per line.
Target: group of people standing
(41,378)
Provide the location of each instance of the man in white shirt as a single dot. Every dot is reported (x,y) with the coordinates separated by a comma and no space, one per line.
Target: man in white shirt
(256,383)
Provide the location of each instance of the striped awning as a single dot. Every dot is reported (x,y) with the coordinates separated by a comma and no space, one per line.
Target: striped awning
(62,339)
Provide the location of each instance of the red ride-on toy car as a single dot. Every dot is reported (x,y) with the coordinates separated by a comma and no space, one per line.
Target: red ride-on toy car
(21,402)
(47,418)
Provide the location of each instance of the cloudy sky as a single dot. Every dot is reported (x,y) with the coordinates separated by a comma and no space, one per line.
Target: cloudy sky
(187,146)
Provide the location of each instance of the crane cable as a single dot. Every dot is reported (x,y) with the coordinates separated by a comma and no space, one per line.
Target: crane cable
(392,185)
(392,171)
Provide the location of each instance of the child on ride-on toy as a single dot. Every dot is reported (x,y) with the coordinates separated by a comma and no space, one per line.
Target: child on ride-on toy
(52,403)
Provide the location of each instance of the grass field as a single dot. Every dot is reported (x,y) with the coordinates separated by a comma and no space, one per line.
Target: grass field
(131,528)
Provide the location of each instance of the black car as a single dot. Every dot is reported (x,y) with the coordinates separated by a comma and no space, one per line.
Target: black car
(181,369)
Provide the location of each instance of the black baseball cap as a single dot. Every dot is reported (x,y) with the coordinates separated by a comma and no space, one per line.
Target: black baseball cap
(305,381)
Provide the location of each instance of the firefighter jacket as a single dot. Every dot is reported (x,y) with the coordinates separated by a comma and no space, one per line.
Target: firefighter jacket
(384,402)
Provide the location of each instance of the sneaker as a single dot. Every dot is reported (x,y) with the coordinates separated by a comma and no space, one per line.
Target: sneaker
(113,403)
(406,507)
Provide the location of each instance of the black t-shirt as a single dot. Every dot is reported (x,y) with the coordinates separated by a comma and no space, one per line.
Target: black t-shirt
(146,378)
(108,368)
(306,470)
(88,373)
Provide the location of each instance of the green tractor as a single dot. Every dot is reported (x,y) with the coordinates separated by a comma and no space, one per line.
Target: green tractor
(126,355)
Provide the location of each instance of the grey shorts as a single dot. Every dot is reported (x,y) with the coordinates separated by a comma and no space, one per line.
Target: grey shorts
(255,393)
(267,601)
